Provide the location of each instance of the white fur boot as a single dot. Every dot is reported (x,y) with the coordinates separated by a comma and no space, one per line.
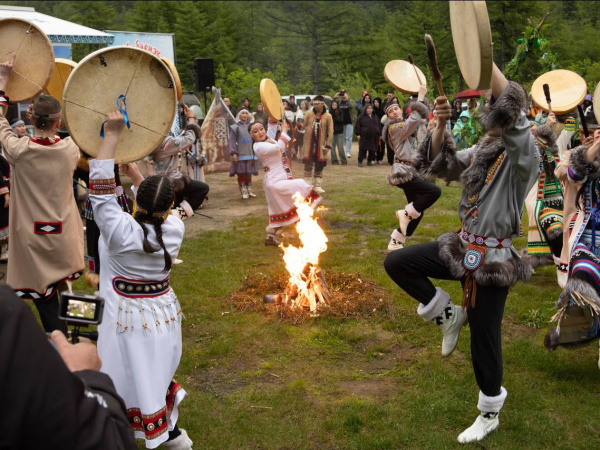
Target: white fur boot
(396,241)
(318,188)
(449,317)
(249,189)
(487,421)
(181,442)
(405,215)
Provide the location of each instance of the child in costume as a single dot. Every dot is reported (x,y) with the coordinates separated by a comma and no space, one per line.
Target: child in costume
(46,232)
(279,183)
(496,175)
(140,336)
(243,159)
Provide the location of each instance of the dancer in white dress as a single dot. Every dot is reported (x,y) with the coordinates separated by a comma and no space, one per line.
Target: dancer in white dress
(279,183)
(140,336)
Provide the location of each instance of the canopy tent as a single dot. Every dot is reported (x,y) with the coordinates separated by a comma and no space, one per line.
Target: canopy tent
(469,93)
(58,31)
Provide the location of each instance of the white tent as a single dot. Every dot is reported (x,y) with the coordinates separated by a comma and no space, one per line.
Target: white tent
(58,31)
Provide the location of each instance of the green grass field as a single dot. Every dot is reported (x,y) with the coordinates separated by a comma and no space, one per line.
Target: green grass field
(256,381)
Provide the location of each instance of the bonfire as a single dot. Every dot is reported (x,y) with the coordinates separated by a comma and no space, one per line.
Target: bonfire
(306,287)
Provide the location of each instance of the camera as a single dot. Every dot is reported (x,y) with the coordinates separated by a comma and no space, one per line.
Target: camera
(81,311)
(78,309)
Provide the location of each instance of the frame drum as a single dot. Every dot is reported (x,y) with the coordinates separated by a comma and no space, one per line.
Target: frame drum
(402,77)
(95,85)
(35,58)
(270,98)
(472,38)
(567,90)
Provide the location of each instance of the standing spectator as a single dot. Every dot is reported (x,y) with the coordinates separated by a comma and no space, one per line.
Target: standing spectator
(338,136)
(292,103)
(245,105)
(361,104)
(360,108)
(368,132)
(4,204)
(231,109)
(346,107)
(317,141)
(388,98)
(456,110)
(260,115)
(298,128)
(462,130)
(378,111)
(18,127)
(244,163)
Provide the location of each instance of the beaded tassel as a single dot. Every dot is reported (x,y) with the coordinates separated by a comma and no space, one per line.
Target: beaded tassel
(142,315)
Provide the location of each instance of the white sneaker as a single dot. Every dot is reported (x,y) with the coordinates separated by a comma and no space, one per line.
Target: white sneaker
(181,442)
(480,429)
(177,261)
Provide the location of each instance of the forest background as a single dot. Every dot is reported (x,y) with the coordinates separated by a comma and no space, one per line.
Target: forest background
(322,47)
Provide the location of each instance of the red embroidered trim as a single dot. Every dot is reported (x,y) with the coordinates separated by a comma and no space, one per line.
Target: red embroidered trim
(103,187)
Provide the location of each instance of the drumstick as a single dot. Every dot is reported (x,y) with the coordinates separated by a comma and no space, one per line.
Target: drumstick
(412,63)
(546,88)
(435,71)
(583,124)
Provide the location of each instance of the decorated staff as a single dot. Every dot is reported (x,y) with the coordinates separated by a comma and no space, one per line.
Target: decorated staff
(398,134)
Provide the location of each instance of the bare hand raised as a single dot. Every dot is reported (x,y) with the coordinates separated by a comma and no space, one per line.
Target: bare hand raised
(115,122)
(442,109)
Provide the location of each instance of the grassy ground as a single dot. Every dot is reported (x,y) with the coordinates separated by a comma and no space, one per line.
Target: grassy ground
(255,380)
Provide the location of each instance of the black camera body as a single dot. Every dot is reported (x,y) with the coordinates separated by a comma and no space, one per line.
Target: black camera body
(80,311)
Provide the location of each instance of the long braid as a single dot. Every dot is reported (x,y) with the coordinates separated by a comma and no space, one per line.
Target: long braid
(147,246)
(159,237)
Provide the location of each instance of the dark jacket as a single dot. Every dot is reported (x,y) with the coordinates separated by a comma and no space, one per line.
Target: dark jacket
(378,111)
(368,129)
(47,406)
(346,108)
(338,121)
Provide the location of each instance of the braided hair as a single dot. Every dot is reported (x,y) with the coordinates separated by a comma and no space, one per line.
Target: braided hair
(155,194)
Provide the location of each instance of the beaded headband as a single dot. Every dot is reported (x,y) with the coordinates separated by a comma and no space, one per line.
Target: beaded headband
(256,123)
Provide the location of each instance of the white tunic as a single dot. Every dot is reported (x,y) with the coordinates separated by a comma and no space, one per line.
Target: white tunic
(140,335)
(279,183)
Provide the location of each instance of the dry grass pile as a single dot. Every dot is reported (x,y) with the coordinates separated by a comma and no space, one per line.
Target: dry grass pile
(352,297)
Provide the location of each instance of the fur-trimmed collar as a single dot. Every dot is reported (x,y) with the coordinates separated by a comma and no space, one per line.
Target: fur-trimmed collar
(488,150)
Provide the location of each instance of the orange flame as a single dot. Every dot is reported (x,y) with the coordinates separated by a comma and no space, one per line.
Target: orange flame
(314,242)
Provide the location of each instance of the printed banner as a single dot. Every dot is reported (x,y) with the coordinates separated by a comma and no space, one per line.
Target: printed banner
(159,44)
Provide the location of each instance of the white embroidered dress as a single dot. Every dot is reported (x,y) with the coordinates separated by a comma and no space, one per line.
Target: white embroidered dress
(140,335)
(279,183)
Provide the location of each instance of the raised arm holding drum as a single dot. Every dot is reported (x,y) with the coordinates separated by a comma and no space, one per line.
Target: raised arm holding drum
(49,245)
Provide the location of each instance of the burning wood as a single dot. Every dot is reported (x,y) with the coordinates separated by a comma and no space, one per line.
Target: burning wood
(306,286)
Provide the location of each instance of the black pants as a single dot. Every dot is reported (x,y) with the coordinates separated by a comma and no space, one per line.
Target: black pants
(311,162)
(48,311)
(422,194)
(194,193)
(410,268)
(370,154)
(380,149)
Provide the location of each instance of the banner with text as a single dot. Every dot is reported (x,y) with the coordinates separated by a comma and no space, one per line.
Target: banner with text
(159,44)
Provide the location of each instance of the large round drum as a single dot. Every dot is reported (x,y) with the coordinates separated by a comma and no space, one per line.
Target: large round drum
(93,90)
(472,38)
(567,90)
(270,98)
(59,77)
(34,58)
(401,76)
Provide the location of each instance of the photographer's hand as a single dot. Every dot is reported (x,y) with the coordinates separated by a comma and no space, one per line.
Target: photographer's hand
(81,356)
